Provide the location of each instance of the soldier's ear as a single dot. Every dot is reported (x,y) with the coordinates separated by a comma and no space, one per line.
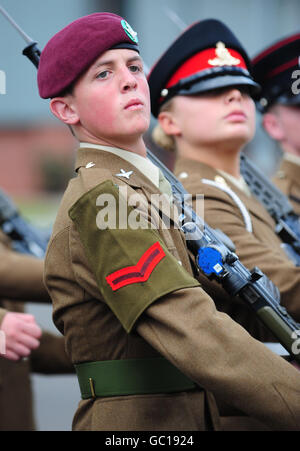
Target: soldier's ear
(62,108)
(272,125)
(168,123)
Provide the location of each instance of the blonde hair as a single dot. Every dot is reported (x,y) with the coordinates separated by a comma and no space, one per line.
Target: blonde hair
(160,138)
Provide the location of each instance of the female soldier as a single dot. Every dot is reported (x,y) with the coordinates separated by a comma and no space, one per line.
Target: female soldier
(143,335)
(201,91)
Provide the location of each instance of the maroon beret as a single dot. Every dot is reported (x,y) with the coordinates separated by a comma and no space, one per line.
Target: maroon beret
(73,49)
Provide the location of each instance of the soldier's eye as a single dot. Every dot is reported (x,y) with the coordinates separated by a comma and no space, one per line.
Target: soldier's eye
(134,68)
(103,74)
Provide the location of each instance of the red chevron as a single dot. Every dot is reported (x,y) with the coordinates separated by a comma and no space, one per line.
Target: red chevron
(139,272)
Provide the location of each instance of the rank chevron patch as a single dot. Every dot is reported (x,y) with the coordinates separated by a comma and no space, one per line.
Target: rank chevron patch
(139,272)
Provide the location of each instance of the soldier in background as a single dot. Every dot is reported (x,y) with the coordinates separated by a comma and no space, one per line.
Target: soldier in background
(277,70)
(149,347)
(27,348)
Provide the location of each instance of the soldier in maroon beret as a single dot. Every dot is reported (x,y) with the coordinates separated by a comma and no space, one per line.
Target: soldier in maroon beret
(277,70)
(147,343)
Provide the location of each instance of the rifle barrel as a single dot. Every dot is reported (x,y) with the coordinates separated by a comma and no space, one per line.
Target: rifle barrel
(15,25)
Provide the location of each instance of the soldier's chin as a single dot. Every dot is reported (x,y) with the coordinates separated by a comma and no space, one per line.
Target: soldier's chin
(235,141)
(141,124)
(241,131)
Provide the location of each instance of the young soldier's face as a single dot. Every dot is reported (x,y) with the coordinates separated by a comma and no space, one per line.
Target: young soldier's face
(112,99)
(223,118)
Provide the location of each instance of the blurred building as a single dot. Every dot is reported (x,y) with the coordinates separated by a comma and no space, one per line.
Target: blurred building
(36,150)
(33,146)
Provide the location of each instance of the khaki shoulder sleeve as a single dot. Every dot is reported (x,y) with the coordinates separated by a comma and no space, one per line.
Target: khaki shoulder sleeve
(132,267)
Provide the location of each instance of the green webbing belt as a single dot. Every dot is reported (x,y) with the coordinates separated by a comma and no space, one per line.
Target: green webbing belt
(130,377)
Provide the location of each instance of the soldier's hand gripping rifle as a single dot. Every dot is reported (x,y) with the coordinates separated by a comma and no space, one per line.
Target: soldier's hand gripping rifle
(217,261)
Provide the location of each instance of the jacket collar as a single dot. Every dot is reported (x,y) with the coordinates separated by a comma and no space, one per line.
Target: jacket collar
(185,168)
(290,170)
(91,157)
(97,158)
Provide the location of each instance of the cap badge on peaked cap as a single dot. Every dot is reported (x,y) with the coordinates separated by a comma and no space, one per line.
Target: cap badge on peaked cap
(129,31)
(223,57)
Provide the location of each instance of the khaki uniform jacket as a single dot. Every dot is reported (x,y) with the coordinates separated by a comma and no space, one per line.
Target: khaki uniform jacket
(21,278)
(179,322)
(260,248)
(287,179)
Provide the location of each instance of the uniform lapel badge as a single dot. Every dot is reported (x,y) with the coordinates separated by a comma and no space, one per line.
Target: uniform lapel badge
(89,165)
(220,180)
(183,175)
(223,57)
(124,174)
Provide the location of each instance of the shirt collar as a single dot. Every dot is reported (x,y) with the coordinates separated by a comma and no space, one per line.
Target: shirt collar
(292,158)
(239,183)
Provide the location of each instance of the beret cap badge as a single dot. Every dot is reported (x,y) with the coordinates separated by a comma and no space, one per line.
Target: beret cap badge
(129,31)
(223,57)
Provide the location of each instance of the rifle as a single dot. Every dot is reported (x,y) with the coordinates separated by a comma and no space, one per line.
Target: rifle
(25,239)
(31,50)
(278,206)
(217,261)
